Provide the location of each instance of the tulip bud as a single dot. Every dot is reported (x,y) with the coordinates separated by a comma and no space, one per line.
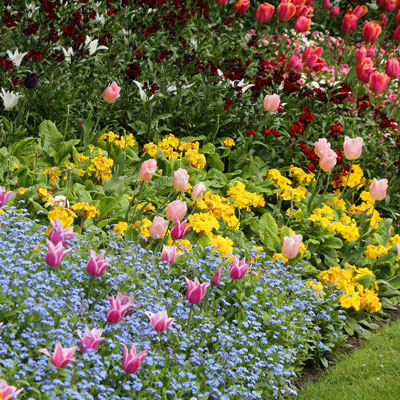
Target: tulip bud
(352,147)
(111,93)
(147,170)
(180,180)
(216,280)
(198,191)
(378,82)
(378,189)
(392,68)
(272,102)
(264,12)
(302,24)
(326,5)
(291,245)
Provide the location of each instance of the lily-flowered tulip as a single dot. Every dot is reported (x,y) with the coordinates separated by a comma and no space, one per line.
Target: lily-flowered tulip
(180,180)
(241,6)
(353,147)
(16,57)
(198,191)
(10,99)
(61,357)
(160,321)
(90,340)
(321,146)
(378,82)
(120,306)
(97,264)
(216,279)
(9,392)
(169,254)
(147,170)
(195,291)
(291,245)
(328,160)
(4,196)
(272,102)
(179,230)
(378,189)
(238,267)
(176,209)
(295,63)
(60,234)
(111,93)
(158,227)
(55,253)
(264,12)
(132,361)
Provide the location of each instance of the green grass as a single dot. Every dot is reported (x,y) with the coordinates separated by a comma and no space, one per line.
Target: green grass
(371,372)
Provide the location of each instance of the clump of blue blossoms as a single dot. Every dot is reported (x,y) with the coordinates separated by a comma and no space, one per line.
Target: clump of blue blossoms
(246,340)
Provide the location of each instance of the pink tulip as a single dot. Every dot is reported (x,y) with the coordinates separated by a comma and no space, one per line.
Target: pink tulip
(378,82)
(291,245)
(383,20)
(286,11)
(321,146)
(180,180)
(179,229)
(360,10)
(272,102)
(90,340)
(241,6)
(328,160)
(334,11)
(111,93)
(392,68)
(198,191)
(160,321)
(378,189)
(364,69)
(238,268)
(360,53)
(310,51)
(389,5)
(61,357)
(195,291)
(371,31)
(55,254)
(97,264)
(216,279)
(398,250)
(353,147)
(176,209)
(295,63)
(120,306)
(8,392)
(147,170)
(326,4)
(316,63)
(396,33)
(158,227)
(59,234)
(132,361)
(169,254)
(349,23)
(302,24)
(264,12)
(4,196)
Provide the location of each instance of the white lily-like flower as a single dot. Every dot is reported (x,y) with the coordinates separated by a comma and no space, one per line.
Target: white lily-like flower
(173,88)
(101,19)
(10,99)
(142,93)
(31,9)
(242,84)
(68,53)
(94,45)
(59,201)
(16,58)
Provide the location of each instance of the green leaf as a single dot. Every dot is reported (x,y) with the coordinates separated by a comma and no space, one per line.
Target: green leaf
(114,185)
(268,220)
(107,204)
(52,139)
(214,161)
(334,242)
(208,148)
(367,281)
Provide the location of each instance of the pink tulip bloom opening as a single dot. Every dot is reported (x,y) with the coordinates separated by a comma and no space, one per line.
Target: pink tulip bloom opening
(120,306)
(238,267)
(147,170)
(158,227)
(353,147)
(61,357)
(8,392)
(59,234)
(176,209)
(216,280)
(198,191)
(321,146)
(132,361)
(160,321)
(169,254)
(90,340)
(371,31)
(4,196)
(272,102)
(295,63)
(55,254)
(195,291)
(111,93)
(378,189)
(97,264)
(179,230)
(291,245)
(328,160)
(349,23)
(180,180)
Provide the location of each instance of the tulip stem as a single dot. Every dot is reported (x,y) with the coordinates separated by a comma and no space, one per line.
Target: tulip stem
(314,192)
(347,180)
(189,320)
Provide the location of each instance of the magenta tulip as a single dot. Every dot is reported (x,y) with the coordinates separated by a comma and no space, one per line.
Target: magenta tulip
(378,189)
(179,229)
(90,340)
(353,147)
(97,264)
(61,357)
(264,12)
(216,279)
(120,306)
(238,267)
(60,234)
(160,321)
(295,63)
(111,93)
(291,245)
(241,6)
(392,68)
(195,291)
(132,361)
(378,82)
(169,254)
(4,196)
(302,24)
(55,253)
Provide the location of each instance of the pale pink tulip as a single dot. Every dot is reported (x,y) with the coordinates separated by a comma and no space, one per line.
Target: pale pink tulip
(111,93)
(198,191)
(158,227)
(353,147)
(176,209)
(272,102)
(378,189)
(398,250)
(180,180)
(321,146)
(328,160)
(291,245)
(169,254)
(160,321)
(147,170)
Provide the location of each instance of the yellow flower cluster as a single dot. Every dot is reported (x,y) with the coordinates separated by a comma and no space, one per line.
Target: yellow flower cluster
(223,245)
(377,251)
(300,175)
(119,140)
(245,199)
(220,208)
(85,210)
(229,142)
(81,157)
(143,227)
(64,214)
(317,286)
(203,223)
(355,294)
(53,174)
(354,179)
(101,166)
(120,228)
(288,192)
(43,193)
